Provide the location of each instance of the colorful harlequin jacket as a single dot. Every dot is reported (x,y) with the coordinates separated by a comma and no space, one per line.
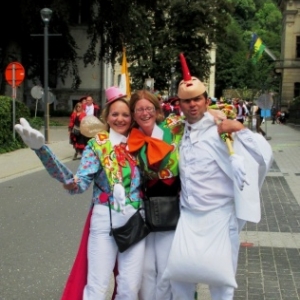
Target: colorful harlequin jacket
(99,156)
(103,164)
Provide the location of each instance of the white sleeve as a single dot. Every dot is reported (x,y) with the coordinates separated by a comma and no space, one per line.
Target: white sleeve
(258,147)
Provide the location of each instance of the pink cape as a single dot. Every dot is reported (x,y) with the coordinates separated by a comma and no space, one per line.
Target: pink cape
(78,277)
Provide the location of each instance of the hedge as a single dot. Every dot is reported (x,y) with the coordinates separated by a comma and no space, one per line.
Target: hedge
(7,142)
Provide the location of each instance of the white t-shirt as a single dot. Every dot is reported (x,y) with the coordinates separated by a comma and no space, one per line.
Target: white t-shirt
(89,110)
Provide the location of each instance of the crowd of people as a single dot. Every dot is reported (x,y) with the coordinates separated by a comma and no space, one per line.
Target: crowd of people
(171,162)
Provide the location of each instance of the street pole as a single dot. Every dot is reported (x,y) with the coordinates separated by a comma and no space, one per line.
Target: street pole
(46,16)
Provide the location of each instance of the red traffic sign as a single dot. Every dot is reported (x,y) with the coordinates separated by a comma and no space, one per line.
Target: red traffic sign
(14,74)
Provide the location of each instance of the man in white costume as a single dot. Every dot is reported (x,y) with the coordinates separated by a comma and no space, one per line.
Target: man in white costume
(219,193)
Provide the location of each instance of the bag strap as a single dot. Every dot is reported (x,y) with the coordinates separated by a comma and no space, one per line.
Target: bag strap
(143,185)
(110,233)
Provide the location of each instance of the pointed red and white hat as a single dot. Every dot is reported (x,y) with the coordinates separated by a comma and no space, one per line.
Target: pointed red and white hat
(190,87)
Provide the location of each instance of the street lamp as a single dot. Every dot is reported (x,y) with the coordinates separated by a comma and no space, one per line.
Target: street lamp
(46,16)
(172,81)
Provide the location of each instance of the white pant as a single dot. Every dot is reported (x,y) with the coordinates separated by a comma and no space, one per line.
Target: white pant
(186,291)
(158,246)
(102,255)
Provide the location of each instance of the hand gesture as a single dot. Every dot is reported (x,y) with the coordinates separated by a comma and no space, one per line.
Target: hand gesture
(229,126)
(31,137)
(71,184)
(217,114)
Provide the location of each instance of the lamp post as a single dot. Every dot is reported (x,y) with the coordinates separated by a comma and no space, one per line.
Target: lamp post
(172,81)
(46,16)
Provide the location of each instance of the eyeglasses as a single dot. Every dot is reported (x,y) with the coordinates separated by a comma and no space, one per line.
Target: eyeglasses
(146,109)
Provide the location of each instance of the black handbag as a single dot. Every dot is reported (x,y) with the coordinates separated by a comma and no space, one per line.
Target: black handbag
(162,213)
(134,230)
(76,130)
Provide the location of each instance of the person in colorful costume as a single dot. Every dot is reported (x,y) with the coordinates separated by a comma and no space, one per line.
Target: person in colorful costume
(219,193)
(117,183)
(159,164)
(78,140)
(155,140)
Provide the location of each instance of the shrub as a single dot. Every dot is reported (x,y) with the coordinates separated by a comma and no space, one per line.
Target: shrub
(36,123)
(7,142)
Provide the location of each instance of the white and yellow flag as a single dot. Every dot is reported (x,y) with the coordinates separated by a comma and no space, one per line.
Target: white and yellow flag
(125,81)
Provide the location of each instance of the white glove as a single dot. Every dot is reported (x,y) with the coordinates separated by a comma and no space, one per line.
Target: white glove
(31,137)
(119,197)
(238,170)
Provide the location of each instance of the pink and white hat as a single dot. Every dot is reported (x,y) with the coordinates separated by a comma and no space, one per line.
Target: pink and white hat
(113,93)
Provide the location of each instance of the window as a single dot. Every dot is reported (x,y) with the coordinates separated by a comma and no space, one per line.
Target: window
(296,89)
(80,12)
(298,46)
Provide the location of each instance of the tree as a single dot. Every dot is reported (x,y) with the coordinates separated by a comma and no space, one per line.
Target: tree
(173,27)
(233,67)
(153,32)
(19,19)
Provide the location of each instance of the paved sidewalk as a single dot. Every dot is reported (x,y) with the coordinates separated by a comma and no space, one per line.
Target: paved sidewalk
(24,161)
(269,262)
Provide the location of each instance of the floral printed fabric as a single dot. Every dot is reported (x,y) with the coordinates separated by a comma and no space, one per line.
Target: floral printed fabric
(89,170)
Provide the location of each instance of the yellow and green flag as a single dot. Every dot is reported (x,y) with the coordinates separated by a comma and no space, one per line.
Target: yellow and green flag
(257,48)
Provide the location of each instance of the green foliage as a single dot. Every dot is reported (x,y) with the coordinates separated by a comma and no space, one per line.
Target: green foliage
(7,142)
(154,33)
(233,69)
(172,27)
(27,22)
(36,122)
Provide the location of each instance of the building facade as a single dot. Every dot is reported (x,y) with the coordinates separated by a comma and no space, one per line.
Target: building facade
(288,67)
(95,78)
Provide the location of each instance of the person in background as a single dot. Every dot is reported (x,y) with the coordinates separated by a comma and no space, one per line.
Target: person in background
(259,122)
(176,107)
(241,110)
(167,107)
(82,100)
(92,109)
(250,114)
(204,164)
(211,100)
(282,117)
(116,180)
(78,140)
(273,114)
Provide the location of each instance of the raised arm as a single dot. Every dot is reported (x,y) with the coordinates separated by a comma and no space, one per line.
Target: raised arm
(36,141)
